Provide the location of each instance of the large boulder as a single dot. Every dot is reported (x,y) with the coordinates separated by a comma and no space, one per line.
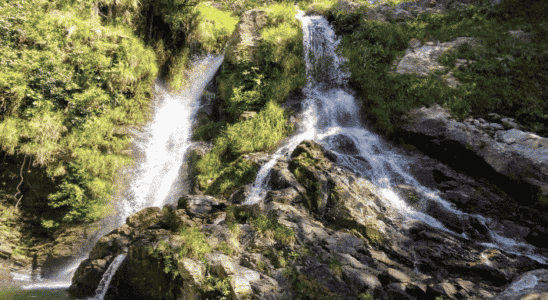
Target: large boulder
(322,232)
(422,60)
(529,285)
(516,161)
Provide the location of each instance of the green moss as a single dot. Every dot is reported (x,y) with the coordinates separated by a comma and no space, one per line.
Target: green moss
(306,287)
(195,244)
(366,296)
(226,248)
(334,263)
(413,199)
(265,226)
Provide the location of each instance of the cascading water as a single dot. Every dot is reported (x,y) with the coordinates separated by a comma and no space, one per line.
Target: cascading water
(331,118)
(159,149)
(102,288)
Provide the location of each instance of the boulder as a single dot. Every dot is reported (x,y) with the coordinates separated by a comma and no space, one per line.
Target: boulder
(423,60)
(200,205)
(322,233)
(515,160)
(529,285)
(244,43)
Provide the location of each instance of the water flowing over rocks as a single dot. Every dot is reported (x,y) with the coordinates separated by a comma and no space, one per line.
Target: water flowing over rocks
(346,241)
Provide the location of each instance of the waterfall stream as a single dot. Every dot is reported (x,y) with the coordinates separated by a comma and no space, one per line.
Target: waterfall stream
(331,118)
(102,288)
(159,149)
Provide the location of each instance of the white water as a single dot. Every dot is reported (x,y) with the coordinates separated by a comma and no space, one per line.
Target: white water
(155,178)
(102,288)
(162,145)
(331,111)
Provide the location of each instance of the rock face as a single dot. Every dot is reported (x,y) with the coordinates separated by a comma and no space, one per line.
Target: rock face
(423,59)
(244,42)
(516,161)
(530,285)
(320,233)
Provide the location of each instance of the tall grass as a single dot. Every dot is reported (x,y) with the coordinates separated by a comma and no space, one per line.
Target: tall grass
(506,76)
(258,86)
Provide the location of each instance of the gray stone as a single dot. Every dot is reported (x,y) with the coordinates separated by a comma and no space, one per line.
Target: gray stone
(529,285)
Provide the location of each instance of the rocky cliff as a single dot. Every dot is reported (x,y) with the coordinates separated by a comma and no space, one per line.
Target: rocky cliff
(321,233)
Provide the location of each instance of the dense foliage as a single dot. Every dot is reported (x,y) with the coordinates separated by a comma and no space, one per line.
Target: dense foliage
(253,86)
(75,75)
(506,76)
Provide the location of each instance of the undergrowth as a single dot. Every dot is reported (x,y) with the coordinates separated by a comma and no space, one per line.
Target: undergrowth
(506,76)
(260,86)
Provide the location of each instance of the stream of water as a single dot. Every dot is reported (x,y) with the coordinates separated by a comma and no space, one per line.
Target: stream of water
(155,178)
(331,118)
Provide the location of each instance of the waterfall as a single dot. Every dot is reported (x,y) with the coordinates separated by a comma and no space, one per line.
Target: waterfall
(102,288)
(160,148)
(330,116)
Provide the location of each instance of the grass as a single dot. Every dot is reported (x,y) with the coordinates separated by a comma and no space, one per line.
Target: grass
(258,86)
(515,87)
(306,287)
(267,227)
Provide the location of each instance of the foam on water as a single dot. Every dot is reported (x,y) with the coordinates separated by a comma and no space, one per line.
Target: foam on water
(160,149)
(164,142)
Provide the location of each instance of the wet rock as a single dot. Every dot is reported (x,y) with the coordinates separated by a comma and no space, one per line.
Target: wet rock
(200,205)
(287,196)
(282,178)
(445,289)
(392,275)
(343,144)
(240,195)
(398,291)
(513,159)
(451,220)
(529,285)
(362,280)
(346,241)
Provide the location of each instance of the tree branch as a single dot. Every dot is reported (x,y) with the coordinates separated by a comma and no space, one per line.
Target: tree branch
(20,174)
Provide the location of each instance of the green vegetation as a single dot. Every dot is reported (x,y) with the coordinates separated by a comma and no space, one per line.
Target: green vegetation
(413,199)
(216,288)
(267,227)
(306,287)
(68,83)
(194,245)
(75,75)
(253,86)
(335,265)
(366,296)
(505,76)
